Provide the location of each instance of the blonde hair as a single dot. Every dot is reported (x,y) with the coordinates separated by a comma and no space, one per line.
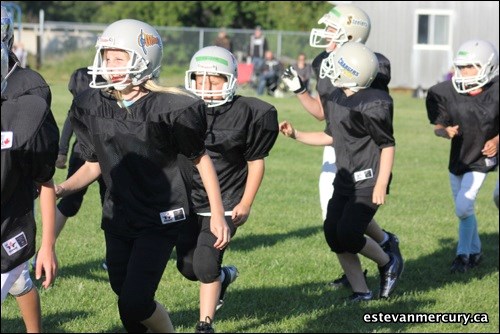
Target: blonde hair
(152,86)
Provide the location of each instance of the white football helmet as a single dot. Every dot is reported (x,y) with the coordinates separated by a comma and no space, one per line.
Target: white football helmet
(480,54)
(141,41)
(213,60)
(7,28)
(353,66)
(351,23)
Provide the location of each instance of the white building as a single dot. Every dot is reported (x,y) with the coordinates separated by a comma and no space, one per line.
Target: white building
(421,37)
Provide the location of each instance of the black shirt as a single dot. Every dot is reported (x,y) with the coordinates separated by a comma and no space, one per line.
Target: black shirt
(137,150)
(477,118)
(361,126)
(24,81)
(239,131)
(29,150)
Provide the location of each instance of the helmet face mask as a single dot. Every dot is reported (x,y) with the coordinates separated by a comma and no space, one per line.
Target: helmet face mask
(351,24)
(354,66)
(7,28)
(483,57)
(144,47)
(213,61)
(5,66)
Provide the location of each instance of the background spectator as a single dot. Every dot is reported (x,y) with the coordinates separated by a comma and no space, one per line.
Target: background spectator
(21,54)
(257,49)
(304,70)
(223,40)
(270,73)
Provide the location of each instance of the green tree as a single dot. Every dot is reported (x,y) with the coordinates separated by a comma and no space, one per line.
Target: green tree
(271,15)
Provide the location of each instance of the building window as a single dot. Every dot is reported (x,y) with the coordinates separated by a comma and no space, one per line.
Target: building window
(433,28)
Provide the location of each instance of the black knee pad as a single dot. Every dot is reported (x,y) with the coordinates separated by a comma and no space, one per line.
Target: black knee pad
(207,261)
(134,309)
(185,267)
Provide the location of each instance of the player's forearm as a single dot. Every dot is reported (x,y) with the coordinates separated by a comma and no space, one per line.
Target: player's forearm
(83,177)
(312,105)
(313,138)
(48,213)
(386,163)
(254,179)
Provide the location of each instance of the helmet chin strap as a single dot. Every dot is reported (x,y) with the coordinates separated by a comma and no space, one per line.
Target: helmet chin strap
(121,87)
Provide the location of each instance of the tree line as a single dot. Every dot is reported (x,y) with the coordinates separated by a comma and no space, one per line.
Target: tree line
(270,15)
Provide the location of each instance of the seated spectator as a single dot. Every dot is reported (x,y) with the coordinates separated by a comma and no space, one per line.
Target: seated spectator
(304,70)
(271,71)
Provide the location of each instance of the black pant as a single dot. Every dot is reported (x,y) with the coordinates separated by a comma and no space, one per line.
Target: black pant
(347,218)
(135,268)
(197,258)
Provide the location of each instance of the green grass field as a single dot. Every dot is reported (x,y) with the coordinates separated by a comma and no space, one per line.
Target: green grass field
(283,259)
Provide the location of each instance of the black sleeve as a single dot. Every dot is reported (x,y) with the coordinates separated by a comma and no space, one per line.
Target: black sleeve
(82,133)
(79,81)
(378,122)
(383,75)
(262,135)
(66,134)
(436,110)
(44,149)
(189,130)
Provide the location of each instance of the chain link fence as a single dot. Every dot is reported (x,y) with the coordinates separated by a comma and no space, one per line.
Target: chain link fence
(180,43)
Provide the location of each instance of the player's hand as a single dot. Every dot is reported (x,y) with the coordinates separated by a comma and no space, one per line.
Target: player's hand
(240,214)
(293,81)
(61,161)
(46,266)
(59,191)
(490,148)
(219,228)
(287,129)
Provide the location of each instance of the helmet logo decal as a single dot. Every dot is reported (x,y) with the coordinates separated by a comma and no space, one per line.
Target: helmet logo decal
(105,40)
(147,40)
(347,68)
(356,22)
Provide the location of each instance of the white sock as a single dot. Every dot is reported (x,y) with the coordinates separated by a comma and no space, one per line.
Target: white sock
(386,238)
(222,275)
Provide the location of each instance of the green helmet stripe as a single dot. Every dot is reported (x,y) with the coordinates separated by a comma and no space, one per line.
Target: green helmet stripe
(211,58)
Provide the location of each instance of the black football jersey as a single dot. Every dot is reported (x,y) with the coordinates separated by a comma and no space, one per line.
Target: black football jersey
(239,131)
(477,118)
(361,125)
(24,81)
(137,149)
(30,139)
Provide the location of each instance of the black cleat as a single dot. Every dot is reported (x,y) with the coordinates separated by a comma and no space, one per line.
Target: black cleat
(204,326)
(230,275)
(391,246)
(475,259)
(342,281)
(460,264)
(389,275)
